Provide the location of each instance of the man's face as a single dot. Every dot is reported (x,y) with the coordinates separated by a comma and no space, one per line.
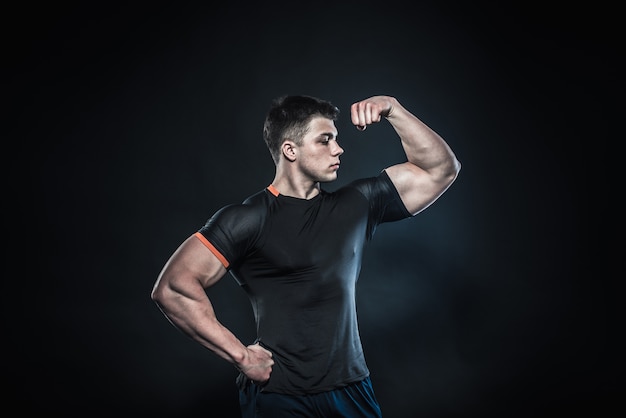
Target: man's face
(318,156)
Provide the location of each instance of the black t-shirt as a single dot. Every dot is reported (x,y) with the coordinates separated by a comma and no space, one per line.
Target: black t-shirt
(299,260)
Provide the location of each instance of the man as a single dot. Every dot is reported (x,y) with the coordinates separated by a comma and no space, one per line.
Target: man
(296,251)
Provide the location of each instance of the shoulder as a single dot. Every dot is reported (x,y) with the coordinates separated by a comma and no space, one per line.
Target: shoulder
(372,186)
(241,215)
(383,197)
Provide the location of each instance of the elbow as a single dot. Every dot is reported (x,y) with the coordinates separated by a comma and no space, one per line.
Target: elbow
(456,169)
(162,298)
(446,171)
(157,294)
(452,172)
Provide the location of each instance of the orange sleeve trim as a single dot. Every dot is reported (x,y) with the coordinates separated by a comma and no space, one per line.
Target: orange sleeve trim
(214,250)
(273,190)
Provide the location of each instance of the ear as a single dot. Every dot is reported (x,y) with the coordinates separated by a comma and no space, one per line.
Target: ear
(289,150)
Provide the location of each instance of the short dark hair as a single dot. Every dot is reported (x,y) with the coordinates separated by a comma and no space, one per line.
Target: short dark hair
(289,117)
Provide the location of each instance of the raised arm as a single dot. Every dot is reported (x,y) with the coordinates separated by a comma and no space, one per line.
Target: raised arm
(180,294)
(431,166)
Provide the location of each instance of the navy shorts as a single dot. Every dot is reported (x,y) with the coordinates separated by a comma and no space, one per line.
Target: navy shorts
(352,401)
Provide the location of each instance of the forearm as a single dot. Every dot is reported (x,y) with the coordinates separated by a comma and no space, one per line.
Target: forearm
(423,147)
(195,317)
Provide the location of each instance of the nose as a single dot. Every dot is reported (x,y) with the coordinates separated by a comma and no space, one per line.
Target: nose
(337,150)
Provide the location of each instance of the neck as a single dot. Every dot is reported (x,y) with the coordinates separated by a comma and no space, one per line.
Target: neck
(293,187)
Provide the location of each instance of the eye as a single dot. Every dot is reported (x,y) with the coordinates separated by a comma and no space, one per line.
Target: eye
(326,138)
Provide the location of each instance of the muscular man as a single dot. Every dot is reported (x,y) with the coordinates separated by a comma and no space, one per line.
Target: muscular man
(296,251)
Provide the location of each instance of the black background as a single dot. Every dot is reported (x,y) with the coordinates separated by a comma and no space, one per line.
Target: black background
(127,126)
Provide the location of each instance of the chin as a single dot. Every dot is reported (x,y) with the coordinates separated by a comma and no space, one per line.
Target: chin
(328,179)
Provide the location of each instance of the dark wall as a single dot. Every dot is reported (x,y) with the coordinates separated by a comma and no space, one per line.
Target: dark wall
(132,125)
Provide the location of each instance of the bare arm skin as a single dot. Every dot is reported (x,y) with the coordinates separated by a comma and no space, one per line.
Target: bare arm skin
(431,165)
(180,294)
